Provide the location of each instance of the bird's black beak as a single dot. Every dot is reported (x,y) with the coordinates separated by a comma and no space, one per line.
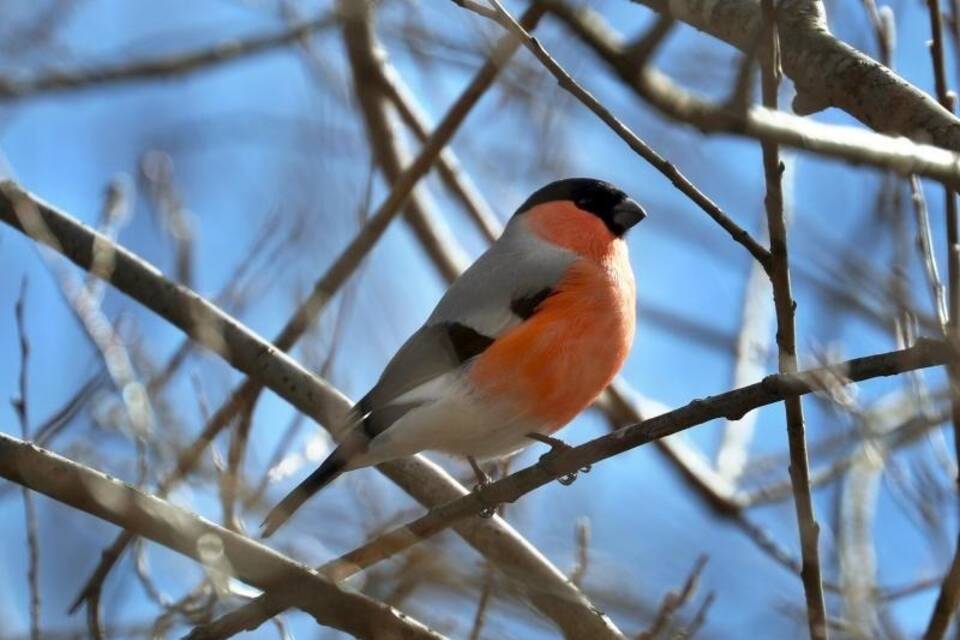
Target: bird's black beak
(626,214)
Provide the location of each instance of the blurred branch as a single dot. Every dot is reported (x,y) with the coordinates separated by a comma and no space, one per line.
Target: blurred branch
(753,343)
(925,245)
(55,80)
(30,514)
(673,601)
(786,307)
(848,143)
(454,177)
(216,548)
(369,64)
(826,71)
(855,546)
(640,147)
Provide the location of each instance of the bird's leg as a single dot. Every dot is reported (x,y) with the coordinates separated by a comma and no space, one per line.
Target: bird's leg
(556,446)
(483,480)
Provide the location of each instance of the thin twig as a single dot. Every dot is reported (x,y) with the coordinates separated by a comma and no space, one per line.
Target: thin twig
(633,141)
(30,514)
(786,342)
(925,245)
(673,601)
(176,65)
(949,595)
(583,551)
(479,617)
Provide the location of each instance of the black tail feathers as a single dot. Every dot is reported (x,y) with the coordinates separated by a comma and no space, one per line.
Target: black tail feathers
(326,473)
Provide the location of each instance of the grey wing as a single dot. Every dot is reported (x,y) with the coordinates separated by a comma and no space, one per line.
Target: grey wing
(500,290)
(518,266)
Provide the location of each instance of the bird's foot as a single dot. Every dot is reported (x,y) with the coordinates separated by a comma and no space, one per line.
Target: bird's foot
(556,446)
(483,481)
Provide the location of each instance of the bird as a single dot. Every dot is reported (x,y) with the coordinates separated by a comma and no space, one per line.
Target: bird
(521,342)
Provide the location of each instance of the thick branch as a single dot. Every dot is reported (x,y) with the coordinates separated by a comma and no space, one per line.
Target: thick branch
(217,548)
(826,71)
(846,143)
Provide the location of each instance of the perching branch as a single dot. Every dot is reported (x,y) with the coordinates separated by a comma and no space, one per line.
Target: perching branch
(731,405)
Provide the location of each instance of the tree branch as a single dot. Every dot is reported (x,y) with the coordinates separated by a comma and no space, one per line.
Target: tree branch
(846,143)
(640,147)
(51,81)
(826,71)
(732,404)
(785,307)
(215,547)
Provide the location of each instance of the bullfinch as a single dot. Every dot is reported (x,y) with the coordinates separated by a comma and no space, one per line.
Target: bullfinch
(523,341)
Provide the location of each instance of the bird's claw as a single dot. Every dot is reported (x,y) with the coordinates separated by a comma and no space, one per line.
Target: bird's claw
(489,508)
(557,446)
(483,481)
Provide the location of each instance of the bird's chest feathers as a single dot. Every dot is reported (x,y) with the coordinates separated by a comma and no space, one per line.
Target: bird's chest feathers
(558,361)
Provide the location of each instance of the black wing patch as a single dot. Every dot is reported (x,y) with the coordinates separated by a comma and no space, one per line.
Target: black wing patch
(431,352)
(526,306)
(466,341)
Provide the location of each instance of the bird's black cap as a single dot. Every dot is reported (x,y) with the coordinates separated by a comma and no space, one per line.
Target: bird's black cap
(615,208)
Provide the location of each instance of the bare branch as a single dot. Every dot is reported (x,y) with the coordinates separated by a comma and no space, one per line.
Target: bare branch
(826,71)
(847,143)
(109,499)
(30,513)
(673,174)
(177,65)
(787,338)
(732,404)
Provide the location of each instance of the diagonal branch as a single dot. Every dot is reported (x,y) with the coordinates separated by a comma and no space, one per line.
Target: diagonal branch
(109,499)
(668,169)
(732,404)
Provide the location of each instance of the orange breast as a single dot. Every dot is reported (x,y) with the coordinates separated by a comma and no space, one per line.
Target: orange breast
(553,365)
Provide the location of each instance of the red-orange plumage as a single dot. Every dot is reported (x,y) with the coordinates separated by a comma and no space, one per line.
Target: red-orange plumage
(554,364)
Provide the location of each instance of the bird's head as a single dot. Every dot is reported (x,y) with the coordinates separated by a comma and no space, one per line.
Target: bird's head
(581,214)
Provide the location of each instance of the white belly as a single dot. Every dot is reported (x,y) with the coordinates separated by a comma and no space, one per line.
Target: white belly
(459,422)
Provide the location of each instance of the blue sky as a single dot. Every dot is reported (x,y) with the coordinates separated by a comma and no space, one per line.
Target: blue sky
(261,135)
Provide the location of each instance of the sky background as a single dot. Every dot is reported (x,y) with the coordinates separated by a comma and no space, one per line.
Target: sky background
(271,134)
